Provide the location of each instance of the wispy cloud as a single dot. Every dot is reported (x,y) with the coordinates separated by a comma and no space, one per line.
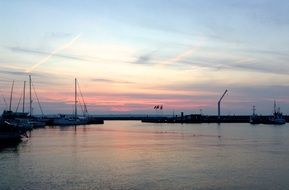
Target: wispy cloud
(153,57)
(33,51)
(146,58)
(242,65)
(60,34)
(17,73)
(20,72)
(248,90)
(86,57)
(184,55)
(57,50)
(102,80)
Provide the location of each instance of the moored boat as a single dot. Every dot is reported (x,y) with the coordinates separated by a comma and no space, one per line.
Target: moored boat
(11,131)
(254,118)
(277,116)
(64,120)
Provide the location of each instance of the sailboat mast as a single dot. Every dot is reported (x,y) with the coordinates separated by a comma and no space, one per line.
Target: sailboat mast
(23,106)
(75,99)
(30,101)
(10,102)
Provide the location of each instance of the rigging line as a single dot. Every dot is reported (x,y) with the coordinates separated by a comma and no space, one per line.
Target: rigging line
(19,103)
(84,104)
(81,108)
(6,106)
(72,110)
(37,99)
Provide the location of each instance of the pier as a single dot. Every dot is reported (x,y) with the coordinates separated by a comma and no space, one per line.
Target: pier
(198,118)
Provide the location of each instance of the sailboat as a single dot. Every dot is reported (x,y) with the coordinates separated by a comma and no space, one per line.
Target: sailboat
(37,122)
(65,120)
(11,132)
(13,125)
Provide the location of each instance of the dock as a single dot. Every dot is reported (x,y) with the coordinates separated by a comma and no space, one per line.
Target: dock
(197,118)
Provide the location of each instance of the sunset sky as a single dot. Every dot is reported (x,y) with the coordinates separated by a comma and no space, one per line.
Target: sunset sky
(130,55)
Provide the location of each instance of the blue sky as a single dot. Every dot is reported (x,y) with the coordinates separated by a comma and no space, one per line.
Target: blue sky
(132,55)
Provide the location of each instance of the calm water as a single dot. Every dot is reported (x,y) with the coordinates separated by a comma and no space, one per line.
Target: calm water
(135,155)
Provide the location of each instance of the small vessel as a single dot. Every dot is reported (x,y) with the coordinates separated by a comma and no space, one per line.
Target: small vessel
(13,129)
(10,132)
(19,119)
(36,122)
(13,125)
(254,118)
(65,120)
(277,116)
(275,119)
(22,119)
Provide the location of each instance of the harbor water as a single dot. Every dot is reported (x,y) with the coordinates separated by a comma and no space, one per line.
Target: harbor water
(135,155)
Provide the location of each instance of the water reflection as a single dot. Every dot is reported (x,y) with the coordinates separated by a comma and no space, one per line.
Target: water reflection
(9,146)
(134,155)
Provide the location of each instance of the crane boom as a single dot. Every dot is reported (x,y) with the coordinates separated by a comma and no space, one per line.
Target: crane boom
(219,104)
(223,95)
